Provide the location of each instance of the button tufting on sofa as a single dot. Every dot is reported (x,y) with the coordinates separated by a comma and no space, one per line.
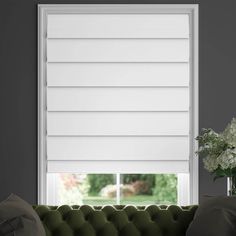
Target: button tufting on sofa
(120,220)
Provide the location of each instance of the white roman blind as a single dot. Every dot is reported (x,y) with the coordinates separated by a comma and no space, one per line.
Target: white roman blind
(118,89)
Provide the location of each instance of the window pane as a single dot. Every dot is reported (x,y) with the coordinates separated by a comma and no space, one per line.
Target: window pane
(144,189)
(102,189)
(92,189)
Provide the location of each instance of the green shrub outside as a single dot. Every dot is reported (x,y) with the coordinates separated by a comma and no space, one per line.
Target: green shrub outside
(165,189)
(98,181)
(162,186)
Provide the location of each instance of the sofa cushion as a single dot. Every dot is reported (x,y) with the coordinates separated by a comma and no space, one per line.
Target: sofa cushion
(10,226)
(216,216)
(20,212)
(119,220)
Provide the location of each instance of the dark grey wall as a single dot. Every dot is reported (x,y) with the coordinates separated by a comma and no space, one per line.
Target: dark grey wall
(18,85)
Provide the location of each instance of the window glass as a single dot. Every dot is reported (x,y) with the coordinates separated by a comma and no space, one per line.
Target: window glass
(102,189)
(145,189)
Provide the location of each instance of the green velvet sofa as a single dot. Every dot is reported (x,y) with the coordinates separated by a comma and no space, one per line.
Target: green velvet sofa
(127,220)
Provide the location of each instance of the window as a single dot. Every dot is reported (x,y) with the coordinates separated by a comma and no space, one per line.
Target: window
(118,104)
(101,189)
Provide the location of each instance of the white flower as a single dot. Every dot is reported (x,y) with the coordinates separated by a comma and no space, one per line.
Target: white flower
(227,159)
(219,150)
(210,163)
(229,133)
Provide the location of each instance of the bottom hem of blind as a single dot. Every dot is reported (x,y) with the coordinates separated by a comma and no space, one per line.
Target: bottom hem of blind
(129,167)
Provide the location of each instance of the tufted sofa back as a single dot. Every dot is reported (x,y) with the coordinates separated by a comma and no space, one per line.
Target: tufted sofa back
(119,220)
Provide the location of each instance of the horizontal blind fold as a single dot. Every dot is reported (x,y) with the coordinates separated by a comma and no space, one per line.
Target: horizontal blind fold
(123,167)
(120,148)
(118,93)
(118,123)
(118,75)
(118,50)
(118,99)
(118,26)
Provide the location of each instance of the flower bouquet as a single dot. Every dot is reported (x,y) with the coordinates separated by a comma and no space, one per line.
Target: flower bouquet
(219,153)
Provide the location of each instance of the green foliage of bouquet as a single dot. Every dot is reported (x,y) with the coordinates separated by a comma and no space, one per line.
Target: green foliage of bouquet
(219,150)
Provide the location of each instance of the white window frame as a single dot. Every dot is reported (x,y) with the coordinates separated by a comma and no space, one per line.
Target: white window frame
(192,10)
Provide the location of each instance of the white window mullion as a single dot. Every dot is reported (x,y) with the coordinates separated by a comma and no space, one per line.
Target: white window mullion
(118,189)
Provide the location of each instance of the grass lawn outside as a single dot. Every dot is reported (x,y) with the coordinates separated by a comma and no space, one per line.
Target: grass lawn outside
(133,200)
